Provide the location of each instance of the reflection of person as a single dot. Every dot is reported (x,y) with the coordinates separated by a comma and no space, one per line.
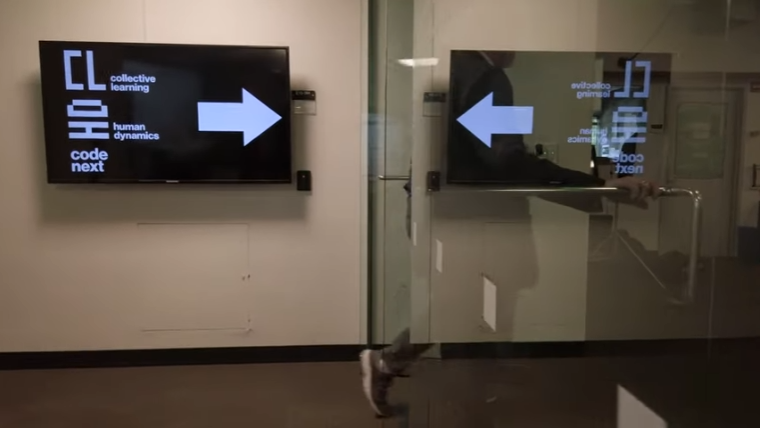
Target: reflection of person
(507,160)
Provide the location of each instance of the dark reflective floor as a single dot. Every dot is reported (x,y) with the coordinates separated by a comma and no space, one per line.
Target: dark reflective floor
(574,392)
(692,384)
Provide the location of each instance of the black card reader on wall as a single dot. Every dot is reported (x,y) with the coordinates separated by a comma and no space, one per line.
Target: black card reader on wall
(303,181)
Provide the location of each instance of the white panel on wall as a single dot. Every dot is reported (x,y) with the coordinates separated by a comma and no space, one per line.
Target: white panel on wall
(194,277)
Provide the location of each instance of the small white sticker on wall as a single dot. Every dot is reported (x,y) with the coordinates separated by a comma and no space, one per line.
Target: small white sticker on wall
(632,413)
(489,303)
(439,256)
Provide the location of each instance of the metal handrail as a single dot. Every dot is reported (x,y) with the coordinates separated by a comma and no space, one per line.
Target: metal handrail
(696,216)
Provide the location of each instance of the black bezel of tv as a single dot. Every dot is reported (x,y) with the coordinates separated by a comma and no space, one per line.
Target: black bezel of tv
(661,75)
(452,124)
(97,180)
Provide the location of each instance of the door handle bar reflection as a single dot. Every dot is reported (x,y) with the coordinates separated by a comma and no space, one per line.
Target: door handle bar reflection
(394,177)
(696,218)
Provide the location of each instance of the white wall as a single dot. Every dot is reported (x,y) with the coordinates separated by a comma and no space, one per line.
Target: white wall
(116,267)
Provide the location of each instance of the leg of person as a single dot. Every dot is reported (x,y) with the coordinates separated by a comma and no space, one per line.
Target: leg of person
(380,367)
(402,353)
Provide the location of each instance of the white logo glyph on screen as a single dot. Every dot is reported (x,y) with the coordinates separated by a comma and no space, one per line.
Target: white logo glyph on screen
(88,118)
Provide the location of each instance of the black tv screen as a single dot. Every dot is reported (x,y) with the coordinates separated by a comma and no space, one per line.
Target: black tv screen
(504,105)
(130,113)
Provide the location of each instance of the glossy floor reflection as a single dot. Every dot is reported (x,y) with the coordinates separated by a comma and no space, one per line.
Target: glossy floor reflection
(546,393)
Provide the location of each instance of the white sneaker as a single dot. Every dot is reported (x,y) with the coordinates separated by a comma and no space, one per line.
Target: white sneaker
(375,383)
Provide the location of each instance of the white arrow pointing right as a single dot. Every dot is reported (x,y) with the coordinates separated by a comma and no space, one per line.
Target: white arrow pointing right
(251,117)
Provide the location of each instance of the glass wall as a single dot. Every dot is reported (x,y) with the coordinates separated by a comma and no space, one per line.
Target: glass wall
(557,292)
(390,157)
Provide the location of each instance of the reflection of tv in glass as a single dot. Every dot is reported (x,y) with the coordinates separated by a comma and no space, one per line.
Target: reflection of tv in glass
(618,142)
(502,104)
(479,89)
(609,144)
(129,113)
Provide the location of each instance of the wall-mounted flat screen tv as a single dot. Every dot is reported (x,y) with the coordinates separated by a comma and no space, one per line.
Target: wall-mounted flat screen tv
(133,113)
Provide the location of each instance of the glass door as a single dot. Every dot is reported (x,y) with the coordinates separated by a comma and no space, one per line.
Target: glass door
(391,146)
(556,297)
(399,205)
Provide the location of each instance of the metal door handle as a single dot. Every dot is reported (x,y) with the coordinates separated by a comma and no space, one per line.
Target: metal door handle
(394,177)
